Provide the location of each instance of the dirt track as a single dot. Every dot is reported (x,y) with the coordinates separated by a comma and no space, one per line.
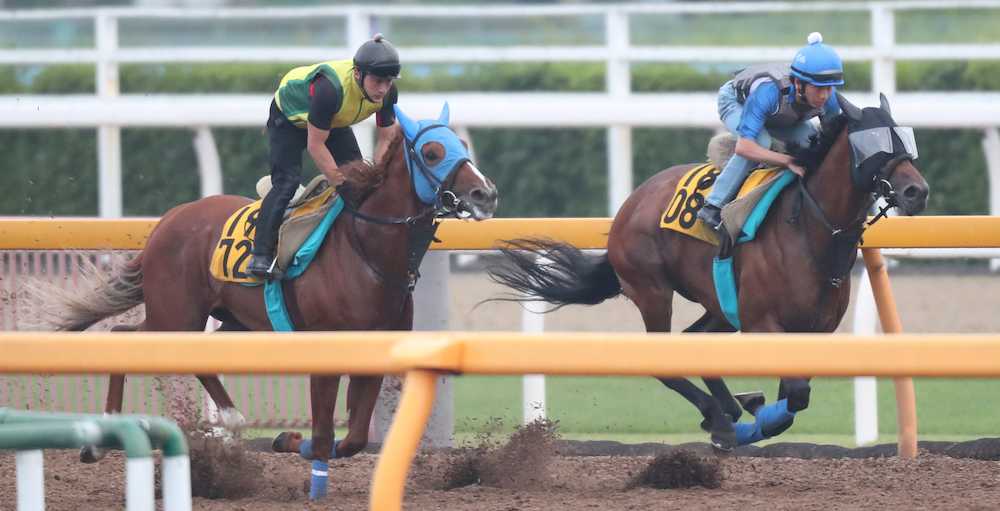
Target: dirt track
(930,482)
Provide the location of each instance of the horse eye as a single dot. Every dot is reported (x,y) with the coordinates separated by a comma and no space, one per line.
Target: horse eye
(433,152)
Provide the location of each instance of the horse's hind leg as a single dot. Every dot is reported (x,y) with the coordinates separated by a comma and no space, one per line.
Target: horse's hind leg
(229,416)
(113,400)
(708,323)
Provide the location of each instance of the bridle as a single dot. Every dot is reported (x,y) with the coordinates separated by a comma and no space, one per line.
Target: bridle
(420,227)
(844,240)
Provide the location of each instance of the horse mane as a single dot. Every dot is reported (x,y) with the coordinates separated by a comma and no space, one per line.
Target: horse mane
(364,177)
(819,145)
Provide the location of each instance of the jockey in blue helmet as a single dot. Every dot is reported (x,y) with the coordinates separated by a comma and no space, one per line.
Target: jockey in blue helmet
(773,101)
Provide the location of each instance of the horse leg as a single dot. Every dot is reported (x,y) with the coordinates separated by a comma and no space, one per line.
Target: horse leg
(362,393)
(656,309)
(112,403)
(229,416)
(718,388)
(323,397)
(775,418)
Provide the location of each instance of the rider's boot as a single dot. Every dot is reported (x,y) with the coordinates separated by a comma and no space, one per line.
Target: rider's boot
(711,215)
(263,266)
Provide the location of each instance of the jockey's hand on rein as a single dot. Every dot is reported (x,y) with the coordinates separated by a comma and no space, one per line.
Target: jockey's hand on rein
(798,169)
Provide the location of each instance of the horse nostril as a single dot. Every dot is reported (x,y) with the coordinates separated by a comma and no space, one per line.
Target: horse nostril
(914,192)
(478,195)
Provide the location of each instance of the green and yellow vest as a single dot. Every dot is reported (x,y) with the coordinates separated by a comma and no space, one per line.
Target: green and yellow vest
(292,96)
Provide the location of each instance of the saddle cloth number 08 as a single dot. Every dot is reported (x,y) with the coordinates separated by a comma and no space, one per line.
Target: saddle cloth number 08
(689,199)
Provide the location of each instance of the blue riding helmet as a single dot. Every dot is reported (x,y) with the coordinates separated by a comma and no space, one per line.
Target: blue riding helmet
(818,64)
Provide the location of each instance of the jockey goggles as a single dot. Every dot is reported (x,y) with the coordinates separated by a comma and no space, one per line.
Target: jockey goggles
(869,142)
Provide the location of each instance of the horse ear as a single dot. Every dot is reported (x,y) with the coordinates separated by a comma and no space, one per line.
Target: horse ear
(884,103)
(410,127)
(445,114)
(852,112)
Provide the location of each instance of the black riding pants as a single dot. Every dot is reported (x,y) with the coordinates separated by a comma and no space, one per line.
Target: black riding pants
(287,143)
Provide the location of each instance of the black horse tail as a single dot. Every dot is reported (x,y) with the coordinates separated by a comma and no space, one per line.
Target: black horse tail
(555,272)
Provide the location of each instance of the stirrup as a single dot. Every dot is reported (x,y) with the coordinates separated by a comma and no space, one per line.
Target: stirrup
(268,272)
(712,220)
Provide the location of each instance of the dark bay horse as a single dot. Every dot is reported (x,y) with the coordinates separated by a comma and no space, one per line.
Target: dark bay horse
(361,278)
(790,279)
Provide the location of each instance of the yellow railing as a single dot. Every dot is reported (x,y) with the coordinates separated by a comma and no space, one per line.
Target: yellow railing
(426,355)
(19,233)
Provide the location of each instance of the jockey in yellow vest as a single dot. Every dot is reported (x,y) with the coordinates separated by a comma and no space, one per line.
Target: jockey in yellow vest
(313,110)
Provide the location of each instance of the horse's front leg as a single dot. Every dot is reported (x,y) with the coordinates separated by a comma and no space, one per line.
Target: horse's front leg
(775,418)
(321,448)
(362,393)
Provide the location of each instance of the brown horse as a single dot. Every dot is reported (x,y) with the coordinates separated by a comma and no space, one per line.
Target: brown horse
(790,279)
(361,278)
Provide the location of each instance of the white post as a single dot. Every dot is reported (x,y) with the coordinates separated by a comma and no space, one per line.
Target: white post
(619,83)
(176,483)
(139,484)
(209,166)
(991,150)
(883,39)
(533,385)
(430,313)
(109,142)
(30,480)
(365,134)
(359,27)
(865,387)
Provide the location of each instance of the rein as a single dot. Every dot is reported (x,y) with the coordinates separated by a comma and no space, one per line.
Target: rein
(420,227)
(845,240)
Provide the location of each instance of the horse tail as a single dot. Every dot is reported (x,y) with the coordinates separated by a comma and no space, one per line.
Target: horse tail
(105,293)
(555,272)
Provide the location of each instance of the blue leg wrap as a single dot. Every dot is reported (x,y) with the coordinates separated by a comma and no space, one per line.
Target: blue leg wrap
(306,449)
(320,477)
(771,420)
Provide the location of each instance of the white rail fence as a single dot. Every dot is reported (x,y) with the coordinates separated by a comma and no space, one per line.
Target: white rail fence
(619,109)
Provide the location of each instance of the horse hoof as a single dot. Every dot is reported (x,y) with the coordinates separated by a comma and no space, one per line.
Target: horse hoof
(232,419)
(750,401)
(91,454)
(723,439)
(722,448)
(282,441)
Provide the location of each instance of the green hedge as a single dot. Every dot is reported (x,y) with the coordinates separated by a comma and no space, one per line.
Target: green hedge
(540,172)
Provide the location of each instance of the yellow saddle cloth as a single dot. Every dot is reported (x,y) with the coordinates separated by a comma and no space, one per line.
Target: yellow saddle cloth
(232,253)
(681,214)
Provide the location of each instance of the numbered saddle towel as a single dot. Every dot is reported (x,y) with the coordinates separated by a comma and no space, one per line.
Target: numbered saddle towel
(741,217)
(307,220)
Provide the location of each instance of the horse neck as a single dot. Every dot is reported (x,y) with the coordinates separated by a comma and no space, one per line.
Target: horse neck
(832,187)
(395,197)
(386,246)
